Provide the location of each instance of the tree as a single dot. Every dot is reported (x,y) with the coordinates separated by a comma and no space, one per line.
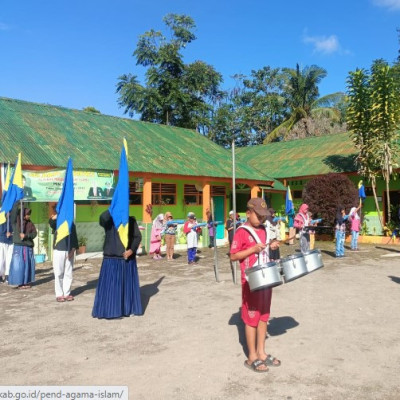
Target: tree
(91,109)
(373,116)
(325,193)
(302,101)
(175,93)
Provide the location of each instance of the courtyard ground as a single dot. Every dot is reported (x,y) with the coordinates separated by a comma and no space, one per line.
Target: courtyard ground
(336,331)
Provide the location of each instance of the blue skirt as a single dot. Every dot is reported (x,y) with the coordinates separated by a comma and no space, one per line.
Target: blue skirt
(118,291)
(22,267)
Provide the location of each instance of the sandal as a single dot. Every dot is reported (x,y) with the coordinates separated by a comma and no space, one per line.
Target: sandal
(271,361)
(60,299)
(255,366)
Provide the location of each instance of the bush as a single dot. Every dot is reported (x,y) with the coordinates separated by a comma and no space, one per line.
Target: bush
(325,193)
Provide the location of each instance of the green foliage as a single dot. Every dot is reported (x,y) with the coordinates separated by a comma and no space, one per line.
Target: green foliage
(325,193)
(301,100)
(92,110)
(174,93)
(82,240)
(373,116)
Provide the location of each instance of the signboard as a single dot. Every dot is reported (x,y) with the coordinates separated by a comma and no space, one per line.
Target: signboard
(46,186)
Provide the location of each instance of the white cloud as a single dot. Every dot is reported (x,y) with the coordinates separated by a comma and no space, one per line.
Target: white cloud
(390,4)
(323,44)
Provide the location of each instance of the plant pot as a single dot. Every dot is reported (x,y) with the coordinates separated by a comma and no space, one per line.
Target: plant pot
(39,258)
(82,249)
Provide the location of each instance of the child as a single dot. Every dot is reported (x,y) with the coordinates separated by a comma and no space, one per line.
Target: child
(22,268)
(301,221)
(340,230)
(211,229)
(229,226)
(312,233)
(274,232)
(191,238)
(355,227)
(169,235)
(155,238)
(255,305)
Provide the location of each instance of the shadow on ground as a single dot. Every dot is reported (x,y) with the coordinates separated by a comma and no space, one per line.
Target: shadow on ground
(148,291)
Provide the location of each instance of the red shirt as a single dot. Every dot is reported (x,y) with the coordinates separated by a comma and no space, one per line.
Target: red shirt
(243,240)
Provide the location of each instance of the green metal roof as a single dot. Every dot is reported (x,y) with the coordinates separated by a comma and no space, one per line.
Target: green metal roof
(46,135)
(306,157)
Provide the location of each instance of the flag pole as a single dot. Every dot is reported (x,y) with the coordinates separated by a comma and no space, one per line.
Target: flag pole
(234,204)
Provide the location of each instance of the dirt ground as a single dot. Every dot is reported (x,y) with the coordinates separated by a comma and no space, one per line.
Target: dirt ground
(336,331)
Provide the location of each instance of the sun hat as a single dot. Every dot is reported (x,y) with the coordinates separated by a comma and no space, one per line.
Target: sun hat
(259,206)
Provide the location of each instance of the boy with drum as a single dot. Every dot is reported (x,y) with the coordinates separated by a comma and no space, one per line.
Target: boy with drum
(255,305)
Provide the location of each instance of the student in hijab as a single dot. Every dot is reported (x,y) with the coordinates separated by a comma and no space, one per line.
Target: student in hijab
(22,268)
(155,238)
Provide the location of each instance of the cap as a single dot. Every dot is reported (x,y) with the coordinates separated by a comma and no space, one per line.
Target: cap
(259,206)
(191,215)
(271,210)
(231,212)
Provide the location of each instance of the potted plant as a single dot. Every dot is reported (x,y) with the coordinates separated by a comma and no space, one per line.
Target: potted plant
(82,241)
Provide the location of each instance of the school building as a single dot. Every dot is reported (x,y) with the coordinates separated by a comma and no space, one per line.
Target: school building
(171,169)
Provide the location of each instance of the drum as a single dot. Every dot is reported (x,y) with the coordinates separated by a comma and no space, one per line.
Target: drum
(293,267)
(263,276)
(313,260)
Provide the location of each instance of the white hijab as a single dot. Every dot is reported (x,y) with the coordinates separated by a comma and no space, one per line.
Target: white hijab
(353,211)
(158,221)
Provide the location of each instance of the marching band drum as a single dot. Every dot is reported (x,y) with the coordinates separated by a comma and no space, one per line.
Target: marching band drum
(286,270)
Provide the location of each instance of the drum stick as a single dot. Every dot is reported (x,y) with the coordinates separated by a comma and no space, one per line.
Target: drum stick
(283,241)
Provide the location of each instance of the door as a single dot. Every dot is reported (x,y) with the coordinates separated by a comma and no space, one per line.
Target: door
(219,215)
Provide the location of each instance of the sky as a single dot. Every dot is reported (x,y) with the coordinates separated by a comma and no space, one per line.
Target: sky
(71,53)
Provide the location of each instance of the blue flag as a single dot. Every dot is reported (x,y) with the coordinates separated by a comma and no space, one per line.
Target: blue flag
(361,191)
(15,191)
(65,205)
(119,208)
(289,202)
(6,183)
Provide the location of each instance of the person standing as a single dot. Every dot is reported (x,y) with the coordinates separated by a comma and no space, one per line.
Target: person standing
(230,227)
(256,305)
(274,233)
(155,237)
(340,230)
(63,261)
(169,235)
(6,248)
(292,229)
(22,268)
(301,222)
(118,291)
(211,230)
(191,237)
(355,227)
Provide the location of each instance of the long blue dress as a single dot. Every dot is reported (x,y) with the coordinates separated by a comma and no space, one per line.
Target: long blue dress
(118,290)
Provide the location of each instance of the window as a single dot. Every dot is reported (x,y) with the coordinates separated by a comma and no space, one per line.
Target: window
(163,193)
(135,193)
(192,196)
(218,190)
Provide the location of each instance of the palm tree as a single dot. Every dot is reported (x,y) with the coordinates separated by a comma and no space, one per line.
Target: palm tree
(301,97)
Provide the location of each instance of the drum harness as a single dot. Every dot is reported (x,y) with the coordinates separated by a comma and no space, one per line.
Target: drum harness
(257,239)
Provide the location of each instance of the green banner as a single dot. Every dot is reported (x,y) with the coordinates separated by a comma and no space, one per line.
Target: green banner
(46,186)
